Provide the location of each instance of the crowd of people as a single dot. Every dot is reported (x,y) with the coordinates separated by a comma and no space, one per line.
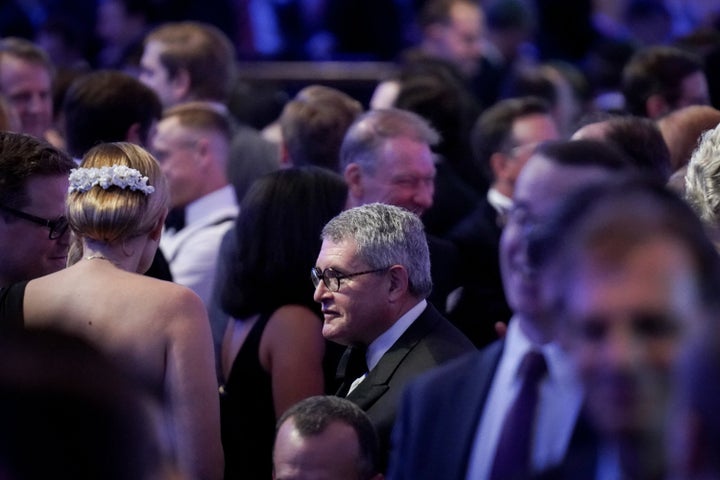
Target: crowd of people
(504,266)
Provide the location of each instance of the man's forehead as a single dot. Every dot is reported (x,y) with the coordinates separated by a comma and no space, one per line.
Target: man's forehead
(543,183)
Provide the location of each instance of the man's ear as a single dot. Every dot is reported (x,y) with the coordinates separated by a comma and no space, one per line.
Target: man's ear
(656,106)
(399,282)
(353,177)
(498,161)
(180,84)
(285,160)
(133,134)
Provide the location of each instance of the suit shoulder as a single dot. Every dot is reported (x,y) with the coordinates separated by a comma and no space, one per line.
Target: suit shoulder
(468,367)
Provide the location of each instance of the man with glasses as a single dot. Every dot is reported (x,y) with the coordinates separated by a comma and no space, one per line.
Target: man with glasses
(502,139)
(372,278)
(33,227)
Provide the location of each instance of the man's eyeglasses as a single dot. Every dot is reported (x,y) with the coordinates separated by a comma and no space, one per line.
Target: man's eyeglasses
(57,227)
(331,278)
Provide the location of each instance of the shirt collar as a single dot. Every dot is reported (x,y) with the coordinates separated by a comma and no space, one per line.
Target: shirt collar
(517,344)
(499,202)
(382,344)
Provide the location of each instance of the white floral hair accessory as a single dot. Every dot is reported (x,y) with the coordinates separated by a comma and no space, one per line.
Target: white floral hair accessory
(83,179)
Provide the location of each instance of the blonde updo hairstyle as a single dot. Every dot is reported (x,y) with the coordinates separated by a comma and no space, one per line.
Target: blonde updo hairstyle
(115,214)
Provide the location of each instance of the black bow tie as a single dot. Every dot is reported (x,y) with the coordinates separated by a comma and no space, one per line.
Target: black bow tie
(175,219)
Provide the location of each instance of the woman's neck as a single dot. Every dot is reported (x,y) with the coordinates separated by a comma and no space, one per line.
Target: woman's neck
(125,255)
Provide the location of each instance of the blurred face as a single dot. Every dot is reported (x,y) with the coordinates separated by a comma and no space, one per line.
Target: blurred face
(540,188)
(33,254)
(694,90)
(625,324)
(28,89)
(155,75)
(331,455)
(404,176)
(175,148)
(357,313)
(460,40)
(527,133)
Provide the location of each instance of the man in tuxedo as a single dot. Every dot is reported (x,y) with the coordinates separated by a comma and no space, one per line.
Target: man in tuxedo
(371,279)
(503,138)
(630,273)
(452,420)
(192,146)
(386,156)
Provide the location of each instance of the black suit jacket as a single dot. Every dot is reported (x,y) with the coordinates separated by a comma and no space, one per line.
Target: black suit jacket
(444,270)
(438,417)
(430,341)
(482,302)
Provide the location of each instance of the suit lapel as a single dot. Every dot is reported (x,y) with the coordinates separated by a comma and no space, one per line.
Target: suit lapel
(376,383)
(471,397)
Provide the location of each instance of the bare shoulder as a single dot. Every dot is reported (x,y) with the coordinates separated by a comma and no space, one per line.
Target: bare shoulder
(293,318)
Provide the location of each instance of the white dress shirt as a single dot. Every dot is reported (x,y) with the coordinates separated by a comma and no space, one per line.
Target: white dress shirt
(560,397)
(192,252)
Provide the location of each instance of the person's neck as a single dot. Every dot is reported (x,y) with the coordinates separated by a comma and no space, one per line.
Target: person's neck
(125,255)
(536,328)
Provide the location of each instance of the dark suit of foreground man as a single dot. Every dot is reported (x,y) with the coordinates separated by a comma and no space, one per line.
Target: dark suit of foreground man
(451,424)
(372,278)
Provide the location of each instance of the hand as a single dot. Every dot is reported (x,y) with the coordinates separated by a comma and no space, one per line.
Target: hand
(501,329)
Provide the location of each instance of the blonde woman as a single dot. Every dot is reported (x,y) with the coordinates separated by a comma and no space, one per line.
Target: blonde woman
(157,331)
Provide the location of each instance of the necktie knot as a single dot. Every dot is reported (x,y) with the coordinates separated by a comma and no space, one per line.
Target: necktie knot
(533,367)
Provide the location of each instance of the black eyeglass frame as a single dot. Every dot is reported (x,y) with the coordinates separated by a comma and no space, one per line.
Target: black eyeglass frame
(57,227)
(317,275)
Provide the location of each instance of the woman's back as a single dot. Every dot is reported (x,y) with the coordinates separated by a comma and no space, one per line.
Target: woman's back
(156,331)
(129,316)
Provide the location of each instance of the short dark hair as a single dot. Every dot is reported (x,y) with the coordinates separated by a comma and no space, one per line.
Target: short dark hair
(314,124)
(204,51)
(641,139)
(313,415)
(22,157)
(585,153)
(101,106)
(656,70)
(438,11)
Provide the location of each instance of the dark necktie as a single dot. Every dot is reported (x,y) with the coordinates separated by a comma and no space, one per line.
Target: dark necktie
(352,366)
(512,457)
